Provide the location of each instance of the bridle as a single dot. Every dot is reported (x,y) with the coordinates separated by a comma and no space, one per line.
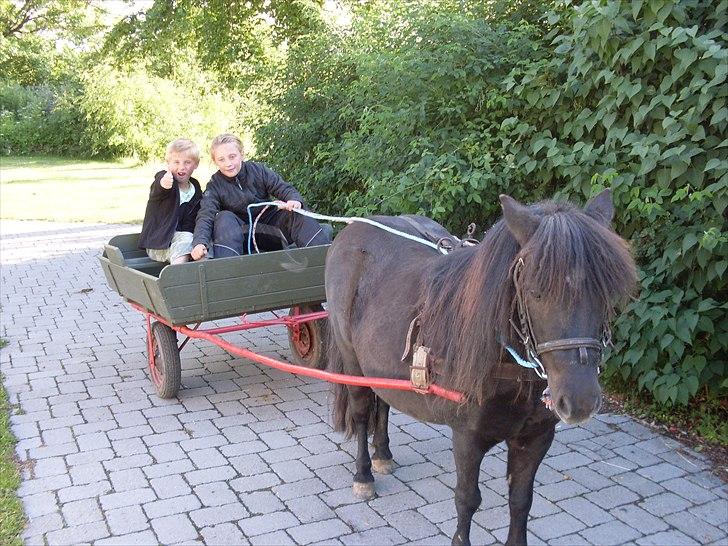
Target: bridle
(534,349)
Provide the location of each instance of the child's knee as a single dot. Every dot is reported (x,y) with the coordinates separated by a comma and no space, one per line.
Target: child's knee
(226,219)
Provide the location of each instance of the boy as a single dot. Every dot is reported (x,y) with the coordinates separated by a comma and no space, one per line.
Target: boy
(221,222)
(174,201)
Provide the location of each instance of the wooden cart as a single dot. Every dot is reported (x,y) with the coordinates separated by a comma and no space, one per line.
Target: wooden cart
(196,292)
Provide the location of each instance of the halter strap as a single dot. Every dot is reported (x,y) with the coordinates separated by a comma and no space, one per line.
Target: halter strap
(581,343)
(528,338)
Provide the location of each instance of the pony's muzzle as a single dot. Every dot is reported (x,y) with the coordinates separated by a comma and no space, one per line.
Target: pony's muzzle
(575,408)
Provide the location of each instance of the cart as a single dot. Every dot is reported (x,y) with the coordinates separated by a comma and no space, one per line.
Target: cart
(171,297)
(197,292)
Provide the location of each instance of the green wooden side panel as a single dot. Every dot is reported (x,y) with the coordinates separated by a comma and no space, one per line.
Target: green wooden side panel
(214,289)
(136,286)
(246,284)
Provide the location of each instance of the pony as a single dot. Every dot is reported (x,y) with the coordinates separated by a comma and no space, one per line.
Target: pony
(543,282)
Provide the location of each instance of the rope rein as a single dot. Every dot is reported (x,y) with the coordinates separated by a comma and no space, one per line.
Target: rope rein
(341,219)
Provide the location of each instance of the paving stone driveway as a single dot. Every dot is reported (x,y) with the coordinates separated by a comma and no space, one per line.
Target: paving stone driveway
(246,455)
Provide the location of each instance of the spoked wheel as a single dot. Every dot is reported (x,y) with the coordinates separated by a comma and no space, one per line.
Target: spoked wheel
(165,368)
(308,339)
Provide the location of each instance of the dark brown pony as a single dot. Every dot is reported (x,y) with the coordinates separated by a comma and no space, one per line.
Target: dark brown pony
(553,269)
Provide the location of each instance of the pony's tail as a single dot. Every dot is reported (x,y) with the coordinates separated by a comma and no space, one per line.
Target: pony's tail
(340,410)
(341,414)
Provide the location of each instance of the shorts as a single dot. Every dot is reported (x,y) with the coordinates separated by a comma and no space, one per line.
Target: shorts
(181,244)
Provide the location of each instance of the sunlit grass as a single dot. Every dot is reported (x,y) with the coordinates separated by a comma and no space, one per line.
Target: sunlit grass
(71,190)
(12,518)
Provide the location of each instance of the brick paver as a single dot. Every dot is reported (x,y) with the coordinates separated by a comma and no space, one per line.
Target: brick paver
(246,454)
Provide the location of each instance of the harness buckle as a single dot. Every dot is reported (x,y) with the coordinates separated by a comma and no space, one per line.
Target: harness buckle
(419,372)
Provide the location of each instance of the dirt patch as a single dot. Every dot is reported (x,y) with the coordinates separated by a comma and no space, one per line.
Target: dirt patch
(717,454)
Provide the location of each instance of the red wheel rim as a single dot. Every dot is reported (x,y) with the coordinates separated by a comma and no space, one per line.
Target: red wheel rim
(154,369)
(302,337)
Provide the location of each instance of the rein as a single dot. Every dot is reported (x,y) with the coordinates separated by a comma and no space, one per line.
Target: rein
(342,219)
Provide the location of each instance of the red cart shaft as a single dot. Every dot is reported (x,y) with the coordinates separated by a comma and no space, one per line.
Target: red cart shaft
(213,336)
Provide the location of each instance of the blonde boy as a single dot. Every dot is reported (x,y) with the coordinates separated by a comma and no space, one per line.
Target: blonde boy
(174,201)
(221,223)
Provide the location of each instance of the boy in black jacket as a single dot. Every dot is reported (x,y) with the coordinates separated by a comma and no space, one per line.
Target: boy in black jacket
(222,221)
(174,201)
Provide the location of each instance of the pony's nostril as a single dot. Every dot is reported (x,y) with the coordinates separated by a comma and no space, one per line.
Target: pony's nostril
(563,406)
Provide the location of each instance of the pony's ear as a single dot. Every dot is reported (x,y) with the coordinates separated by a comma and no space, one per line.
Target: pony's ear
(521,222)
(601,208)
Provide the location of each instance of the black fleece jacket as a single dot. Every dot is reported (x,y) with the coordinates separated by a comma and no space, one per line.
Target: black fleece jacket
(254,183)
(164,214)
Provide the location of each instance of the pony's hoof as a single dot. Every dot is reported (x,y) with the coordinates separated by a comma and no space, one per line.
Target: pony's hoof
(364,491)
(382,466)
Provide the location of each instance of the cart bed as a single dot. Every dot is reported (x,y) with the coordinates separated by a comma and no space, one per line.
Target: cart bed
(214,289)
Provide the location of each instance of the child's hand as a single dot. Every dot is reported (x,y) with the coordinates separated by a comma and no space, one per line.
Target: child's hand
(166,181)
(199,252)
(288,205)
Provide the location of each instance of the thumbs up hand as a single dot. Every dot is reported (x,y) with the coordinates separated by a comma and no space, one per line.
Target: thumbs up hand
(166,181)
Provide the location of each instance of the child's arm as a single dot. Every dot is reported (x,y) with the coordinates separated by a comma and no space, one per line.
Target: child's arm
(279,188)
(209,207)
(163,182)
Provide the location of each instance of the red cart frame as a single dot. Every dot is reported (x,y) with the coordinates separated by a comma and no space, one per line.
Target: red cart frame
(293,322)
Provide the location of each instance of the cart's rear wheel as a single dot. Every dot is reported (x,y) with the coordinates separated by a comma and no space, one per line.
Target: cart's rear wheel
(308,339)
(165,368)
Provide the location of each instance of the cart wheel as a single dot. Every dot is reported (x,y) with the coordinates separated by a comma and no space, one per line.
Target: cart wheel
(308,339)
(166,369)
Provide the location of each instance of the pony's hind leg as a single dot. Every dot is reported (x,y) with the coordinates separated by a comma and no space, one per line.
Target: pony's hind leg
(382,460)
(361,402)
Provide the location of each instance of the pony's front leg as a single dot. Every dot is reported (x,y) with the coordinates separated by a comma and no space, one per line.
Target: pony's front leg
(469,451)
(382,459)
(524,457)
(361,405)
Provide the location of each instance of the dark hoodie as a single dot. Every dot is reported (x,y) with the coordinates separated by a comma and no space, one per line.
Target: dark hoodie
(254,183)
(164,214)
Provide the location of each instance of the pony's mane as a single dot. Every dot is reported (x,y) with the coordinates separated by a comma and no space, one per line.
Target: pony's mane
(469,301)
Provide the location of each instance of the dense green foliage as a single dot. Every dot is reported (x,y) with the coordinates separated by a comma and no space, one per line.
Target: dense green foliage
(637,94)
(125,116)
(26,109)
(402,114)
(437,111)
(112,114)
(433,107)
(237,39)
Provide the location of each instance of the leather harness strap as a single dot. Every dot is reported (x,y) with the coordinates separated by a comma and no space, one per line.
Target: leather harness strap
(422,359)
(581,343)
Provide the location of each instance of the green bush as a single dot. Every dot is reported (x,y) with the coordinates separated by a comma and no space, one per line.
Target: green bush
(111,113)
(41,119)
(402,114)
(134,114)
(636,93)
(436,109)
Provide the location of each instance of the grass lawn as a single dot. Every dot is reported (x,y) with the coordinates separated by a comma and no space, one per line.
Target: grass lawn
(74,190)
(12,519)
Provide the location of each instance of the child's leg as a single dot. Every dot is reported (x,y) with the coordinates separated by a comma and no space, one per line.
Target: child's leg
(229,235)
(158,254)
(180,259)
(180,247)
(302,230)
